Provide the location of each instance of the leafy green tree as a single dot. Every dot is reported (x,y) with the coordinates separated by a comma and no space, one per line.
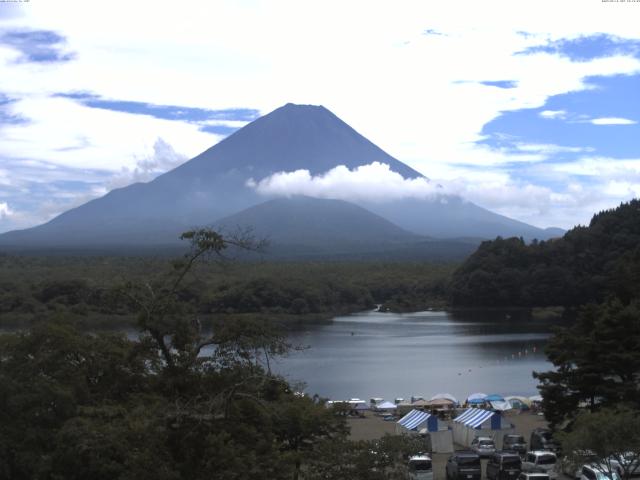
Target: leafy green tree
(611,437)
(597,362)
(180,401)
(382,459)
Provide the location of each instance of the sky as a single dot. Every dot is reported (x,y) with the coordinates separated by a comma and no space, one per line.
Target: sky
(528,108)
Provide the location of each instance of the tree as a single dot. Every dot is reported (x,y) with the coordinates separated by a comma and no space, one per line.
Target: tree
(382,459)
(611,437)
(180,401)
(597,362)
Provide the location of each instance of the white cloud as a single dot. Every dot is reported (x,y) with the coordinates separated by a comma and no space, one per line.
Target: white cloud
(162,159)
(561,114)
(374,182)
(5,211)
(549,149)
(415,95)
(569,204)
(612,121)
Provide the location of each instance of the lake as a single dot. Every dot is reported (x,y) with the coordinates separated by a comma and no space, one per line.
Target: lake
(388,355)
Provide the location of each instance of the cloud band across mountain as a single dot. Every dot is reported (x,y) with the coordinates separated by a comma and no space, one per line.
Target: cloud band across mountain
(375,182)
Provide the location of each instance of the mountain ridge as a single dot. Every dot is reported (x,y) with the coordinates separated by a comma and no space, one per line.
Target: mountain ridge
(213,185)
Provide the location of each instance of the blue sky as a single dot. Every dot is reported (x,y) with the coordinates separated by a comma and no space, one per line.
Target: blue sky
(532,110)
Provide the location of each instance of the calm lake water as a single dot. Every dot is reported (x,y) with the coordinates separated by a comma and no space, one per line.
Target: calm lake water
(389,355)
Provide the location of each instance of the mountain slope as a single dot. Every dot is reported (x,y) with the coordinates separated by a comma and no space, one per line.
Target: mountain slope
(305,227)
(213,185)
(317,222)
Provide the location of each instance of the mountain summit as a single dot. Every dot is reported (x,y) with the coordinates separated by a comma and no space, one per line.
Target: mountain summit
(213,185)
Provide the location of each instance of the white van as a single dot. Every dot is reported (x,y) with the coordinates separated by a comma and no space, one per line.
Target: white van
(420,467)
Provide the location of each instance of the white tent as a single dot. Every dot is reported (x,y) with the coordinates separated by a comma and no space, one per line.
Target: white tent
(476,422)
(501,406)
(518,402)
(439,437)
(476,397)
(386,406)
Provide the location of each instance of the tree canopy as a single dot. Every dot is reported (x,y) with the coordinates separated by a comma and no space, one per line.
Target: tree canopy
(586,265)
(175,401)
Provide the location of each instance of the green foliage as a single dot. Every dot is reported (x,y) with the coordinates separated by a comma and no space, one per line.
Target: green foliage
(610,436)
(584,266)
(597,361)
(77,406)
(88,290)
(383,459)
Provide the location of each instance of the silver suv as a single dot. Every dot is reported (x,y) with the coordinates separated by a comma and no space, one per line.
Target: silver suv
(483,446)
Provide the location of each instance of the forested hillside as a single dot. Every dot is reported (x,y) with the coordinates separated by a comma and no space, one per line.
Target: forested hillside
(87,289)
(586,265)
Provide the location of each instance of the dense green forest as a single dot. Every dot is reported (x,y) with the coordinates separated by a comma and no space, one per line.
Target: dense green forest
(586,265)
(87,289)
(76,405)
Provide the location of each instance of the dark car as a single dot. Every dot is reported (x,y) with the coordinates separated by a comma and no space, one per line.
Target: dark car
(464,466)
(504,466)
(542,439)
(514,443)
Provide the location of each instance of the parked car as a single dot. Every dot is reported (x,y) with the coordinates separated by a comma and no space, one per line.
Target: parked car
(420,467)
(533,476)
(463,466)
(592,472)
(483,446)
(572,466)
(504,466)
(626,462)
(515,443)
(542,439)
(541,461)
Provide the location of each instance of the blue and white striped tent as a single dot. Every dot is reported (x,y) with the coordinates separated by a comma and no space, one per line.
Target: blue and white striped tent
(475,422)
(417,420)
(439,437)
(474,417)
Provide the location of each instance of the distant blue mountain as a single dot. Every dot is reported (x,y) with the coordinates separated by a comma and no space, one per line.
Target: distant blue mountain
(212,186)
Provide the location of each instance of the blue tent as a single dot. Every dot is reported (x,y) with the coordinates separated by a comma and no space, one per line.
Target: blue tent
(494,397)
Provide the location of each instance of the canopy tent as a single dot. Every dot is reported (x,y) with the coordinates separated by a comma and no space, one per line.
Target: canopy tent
(535,398)
(386,406)
(439,437)
(476,398)
(415,420)
(521,403)
(448,396)
(494,397)
(441,403)
(475,422)
(501,406)
(421,403)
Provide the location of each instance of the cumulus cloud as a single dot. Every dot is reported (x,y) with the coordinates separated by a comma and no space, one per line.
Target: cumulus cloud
(5,211)
(612,121)
(570,201)
(560,114)
(375,182)
(161,159)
